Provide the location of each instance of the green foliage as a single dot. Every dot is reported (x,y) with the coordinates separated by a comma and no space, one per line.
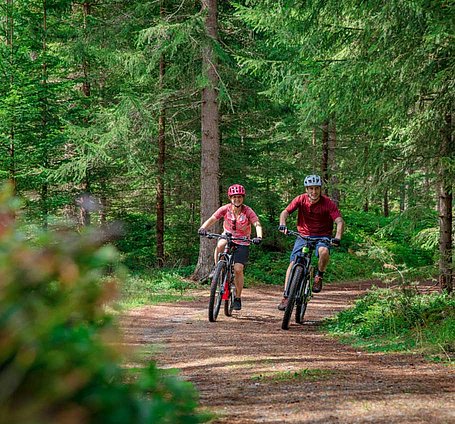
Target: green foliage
(80,100)
(137,244)
(388,319)
(166,285)
(392,242)
(306,374)
(58,362)
(372,247)
(346,266)
(266,267)
(361,65)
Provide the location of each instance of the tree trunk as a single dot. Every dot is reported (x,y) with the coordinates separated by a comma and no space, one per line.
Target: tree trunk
(44,122)
(445,197)
(10,45)
(402,197)
(210,139)
(86,87)
(445,239)
(385,203)
(332,165)
(366,204)
(103,202)
(325,156)
(86,90)
(160,175)
(85,204)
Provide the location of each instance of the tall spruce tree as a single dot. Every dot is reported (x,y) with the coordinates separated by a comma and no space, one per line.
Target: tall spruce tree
(210,137)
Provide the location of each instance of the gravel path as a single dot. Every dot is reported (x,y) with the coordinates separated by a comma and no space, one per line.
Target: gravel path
(233,362)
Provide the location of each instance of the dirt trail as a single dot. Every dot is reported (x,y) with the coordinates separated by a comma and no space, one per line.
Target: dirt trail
(224,360)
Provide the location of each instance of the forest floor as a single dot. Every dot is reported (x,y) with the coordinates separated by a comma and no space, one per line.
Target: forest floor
(246,367)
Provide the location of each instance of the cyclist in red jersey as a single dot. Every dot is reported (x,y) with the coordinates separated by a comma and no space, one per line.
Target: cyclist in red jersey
(316,214)
(237,220)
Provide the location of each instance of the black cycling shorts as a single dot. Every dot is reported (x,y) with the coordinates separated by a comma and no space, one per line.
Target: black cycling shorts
(241,254)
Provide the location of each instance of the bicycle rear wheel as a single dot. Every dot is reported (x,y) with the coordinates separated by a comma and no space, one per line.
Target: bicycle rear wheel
(229,302)
(293,289)
(216,291)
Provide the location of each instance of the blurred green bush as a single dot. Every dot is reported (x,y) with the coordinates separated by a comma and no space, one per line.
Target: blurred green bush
(58,360)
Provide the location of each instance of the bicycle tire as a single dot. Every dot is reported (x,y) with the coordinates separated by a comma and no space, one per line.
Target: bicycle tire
(229,303)
(293,288)
(301,308)
(216,291)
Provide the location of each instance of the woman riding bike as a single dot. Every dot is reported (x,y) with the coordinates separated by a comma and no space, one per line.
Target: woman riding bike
(237,220)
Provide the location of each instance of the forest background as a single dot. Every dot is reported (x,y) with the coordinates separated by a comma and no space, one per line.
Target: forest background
(142,113)
(101,114)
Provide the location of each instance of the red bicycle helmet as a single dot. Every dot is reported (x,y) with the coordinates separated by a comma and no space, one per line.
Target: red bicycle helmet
(236,189)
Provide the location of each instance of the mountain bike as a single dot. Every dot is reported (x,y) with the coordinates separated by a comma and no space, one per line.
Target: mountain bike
(222,286)
(299,289)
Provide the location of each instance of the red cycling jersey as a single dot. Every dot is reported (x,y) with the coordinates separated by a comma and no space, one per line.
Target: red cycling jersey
(240,226)
(314,219)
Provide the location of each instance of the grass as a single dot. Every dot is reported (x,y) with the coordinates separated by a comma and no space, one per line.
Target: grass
(305,374)
(387,320)
(155,286)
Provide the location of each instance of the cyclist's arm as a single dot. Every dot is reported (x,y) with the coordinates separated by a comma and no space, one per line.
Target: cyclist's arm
(207,224)
(258,227)
(340,227)
(283,217)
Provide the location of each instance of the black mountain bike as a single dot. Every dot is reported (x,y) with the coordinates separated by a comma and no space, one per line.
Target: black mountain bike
(299,289)
(222,286)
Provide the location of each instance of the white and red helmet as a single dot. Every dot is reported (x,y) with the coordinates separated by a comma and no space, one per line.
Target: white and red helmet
(236,189)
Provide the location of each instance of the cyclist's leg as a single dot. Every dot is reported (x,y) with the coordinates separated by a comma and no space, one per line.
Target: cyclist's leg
(322,252)
(218,249)
(323,258)
(238,278)
(240,259)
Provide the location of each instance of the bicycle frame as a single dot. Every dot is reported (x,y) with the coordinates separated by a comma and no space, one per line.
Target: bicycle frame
(227,256)
(303,259)
(221,287)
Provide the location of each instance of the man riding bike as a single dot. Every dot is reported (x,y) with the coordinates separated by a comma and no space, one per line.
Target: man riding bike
(316,215)
(237,220)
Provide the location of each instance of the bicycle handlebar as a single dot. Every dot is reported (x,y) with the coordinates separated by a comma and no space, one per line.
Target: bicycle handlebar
(227,236)
(309,238)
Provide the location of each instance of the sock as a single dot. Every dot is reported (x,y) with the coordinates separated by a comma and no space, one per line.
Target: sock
(320,273)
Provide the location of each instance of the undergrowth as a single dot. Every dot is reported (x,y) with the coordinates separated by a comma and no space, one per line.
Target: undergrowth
(400,320)
(156,286)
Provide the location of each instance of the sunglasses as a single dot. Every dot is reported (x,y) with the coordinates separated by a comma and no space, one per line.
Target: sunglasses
(234,225)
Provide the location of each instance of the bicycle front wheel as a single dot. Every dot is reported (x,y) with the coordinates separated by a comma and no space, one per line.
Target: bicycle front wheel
(301,306)
(216,291)
(296,277)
